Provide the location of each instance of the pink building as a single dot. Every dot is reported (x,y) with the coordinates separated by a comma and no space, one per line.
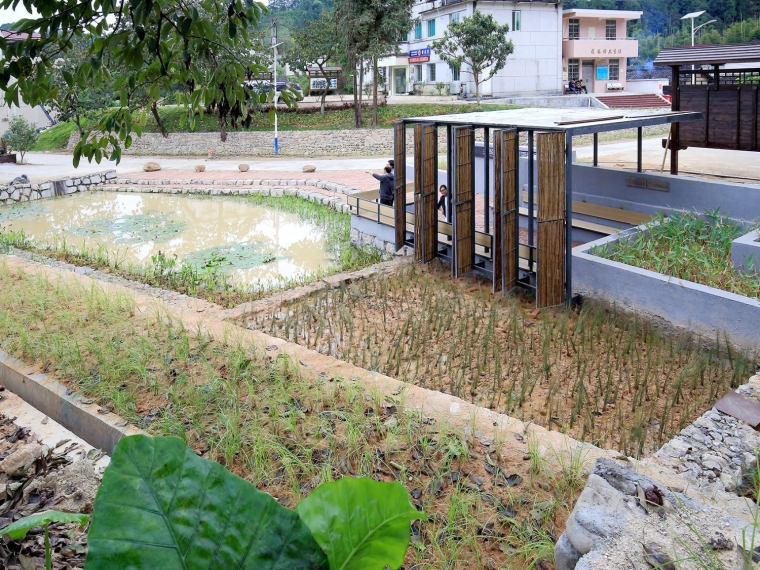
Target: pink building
(595,48)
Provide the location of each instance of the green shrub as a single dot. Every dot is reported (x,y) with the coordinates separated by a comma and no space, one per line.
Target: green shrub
(21,135)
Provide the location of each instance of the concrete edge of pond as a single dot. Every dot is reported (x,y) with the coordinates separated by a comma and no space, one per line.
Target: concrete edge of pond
(684,304)
(72,411)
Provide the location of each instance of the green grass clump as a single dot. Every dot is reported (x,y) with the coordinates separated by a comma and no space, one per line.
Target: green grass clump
(689,246)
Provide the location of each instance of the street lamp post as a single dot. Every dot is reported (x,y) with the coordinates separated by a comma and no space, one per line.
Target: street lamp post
(274,82)
(693,16)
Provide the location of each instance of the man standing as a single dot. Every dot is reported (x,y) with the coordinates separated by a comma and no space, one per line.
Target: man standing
(386,185)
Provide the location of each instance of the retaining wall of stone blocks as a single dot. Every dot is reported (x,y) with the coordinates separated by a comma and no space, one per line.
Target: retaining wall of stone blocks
(22,190)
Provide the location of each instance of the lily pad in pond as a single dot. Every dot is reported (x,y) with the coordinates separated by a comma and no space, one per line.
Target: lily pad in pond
(135,228)
(229,257)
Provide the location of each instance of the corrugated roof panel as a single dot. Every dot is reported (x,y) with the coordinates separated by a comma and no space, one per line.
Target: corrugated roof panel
(709,55)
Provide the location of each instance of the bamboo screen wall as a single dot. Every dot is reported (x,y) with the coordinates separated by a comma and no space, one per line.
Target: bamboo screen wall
(417,192)
(464,201)
(505,226)
(399,201)
(550,286)
(425,192)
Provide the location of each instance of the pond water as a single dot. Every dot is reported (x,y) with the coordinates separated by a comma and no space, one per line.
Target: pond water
(253,244)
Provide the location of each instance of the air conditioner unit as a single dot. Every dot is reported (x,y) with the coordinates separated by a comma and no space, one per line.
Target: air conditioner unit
(409,87)
(456,87)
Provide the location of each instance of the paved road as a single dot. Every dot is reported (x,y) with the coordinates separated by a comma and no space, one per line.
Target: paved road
(43,167)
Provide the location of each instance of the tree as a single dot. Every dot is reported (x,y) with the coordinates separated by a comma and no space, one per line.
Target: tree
(367,28)
(317,44)
(21,135)
(155,45)
(480,42)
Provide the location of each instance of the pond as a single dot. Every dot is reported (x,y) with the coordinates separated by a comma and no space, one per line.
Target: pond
(253,244)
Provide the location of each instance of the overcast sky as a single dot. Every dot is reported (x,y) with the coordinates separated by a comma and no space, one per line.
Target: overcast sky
(13,15)
(20,12)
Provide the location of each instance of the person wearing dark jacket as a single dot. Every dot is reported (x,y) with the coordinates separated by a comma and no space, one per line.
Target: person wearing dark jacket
(386,185)
(442,200)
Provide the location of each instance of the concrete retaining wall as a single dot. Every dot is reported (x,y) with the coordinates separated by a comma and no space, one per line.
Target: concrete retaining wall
(745,252)
(610,187)
(691,306)
(25,191)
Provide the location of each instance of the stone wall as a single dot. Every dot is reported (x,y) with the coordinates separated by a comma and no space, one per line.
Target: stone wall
(22,190)
(347,142)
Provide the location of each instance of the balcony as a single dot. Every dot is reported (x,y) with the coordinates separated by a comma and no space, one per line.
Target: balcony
(599,48)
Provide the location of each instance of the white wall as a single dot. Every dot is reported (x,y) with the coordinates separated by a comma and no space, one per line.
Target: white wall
(535,67)
(33,114)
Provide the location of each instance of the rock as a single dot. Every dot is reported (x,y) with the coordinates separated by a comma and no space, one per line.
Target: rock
(74,487)
(151,167)
(309,168)
(200,168)
(243,167)
(22,458)
(565,554)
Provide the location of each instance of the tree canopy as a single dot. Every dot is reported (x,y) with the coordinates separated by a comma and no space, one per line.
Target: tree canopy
(479,42)
(141,49)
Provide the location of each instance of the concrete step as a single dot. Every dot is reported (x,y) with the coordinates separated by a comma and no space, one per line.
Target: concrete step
(640,101)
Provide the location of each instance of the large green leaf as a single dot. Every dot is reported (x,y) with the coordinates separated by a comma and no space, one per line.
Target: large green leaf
(18,530)
(361,524)
(162,507)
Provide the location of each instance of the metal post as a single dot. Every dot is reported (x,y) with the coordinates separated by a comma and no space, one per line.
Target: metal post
(596,149)
(675,140)
(639,149)
(568,216)
(530,197)
(449,160)
(487,177)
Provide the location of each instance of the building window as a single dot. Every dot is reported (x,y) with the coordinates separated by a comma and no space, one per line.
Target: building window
(611,29)
(574,29)
(418,30)
(614,70)
(418,73)
(455,73)
(516,21)
(431,28)
(573,69)
(454,17)
(431,72)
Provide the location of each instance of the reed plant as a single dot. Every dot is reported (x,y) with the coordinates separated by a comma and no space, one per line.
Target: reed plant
(691,246)
(598,374)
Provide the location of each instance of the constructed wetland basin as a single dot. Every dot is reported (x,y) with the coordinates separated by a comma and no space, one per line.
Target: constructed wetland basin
(253,244)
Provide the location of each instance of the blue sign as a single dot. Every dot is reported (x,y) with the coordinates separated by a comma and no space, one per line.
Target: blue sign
(420,52)
(602,72)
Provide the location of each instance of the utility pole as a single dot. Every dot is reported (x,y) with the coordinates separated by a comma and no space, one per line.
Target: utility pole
(274,84)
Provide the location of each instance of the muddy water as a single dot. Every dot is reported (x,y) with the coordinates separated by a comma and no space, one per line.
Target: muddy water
(255,245)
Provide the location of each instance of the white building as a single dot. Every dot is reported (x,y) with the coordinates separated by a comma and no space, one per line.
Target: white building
(534,68)
(37,115)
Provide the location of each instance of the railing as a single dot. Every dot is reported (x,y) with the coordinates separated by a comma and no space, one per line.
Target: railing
(599,39)
(725,77)
(365,205)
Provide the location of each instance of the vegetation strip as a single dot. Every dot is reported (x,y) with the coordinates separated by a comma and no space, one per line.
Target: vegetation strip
(690,246)
(256,412)
(598,374)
